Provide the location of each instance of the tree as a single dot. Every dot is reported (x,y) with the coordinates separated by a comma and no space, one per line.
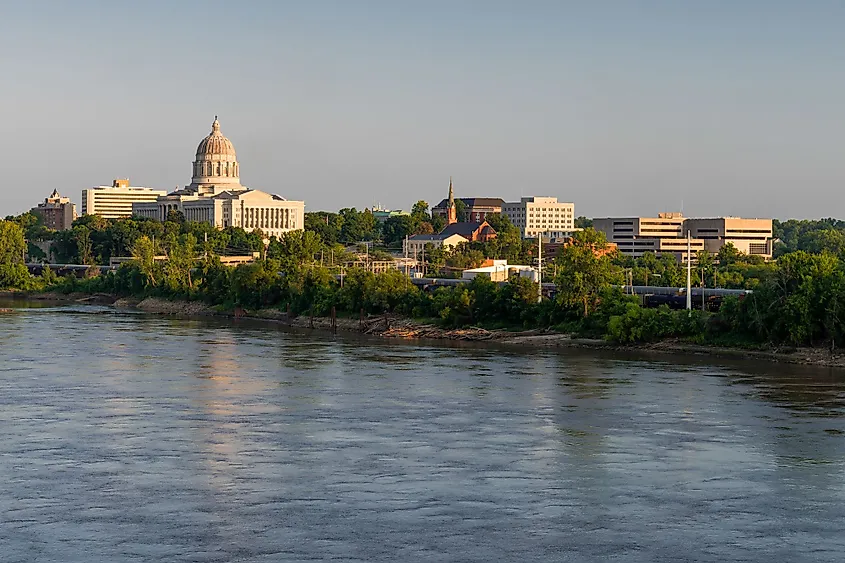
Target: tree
(437,223)
(419,211)
(327,225)
(357,226)
(181,258)
(584,270)
(143,254)
(728,255)
(830,240)
(461,211)
(12,244)
(294,249)
(83,244)
(583,222)
(13,271)
(396,228)
(175,216)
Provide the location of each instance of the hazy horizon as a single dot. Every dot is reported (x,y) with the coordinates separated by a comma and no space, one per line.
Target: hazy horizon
(627,108)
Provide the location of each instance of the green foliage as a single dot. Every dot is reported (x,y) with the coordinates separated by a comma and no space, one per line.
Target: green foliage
(638,324)
(801,303)
(12,244)
(357,226)
(14,276)
(294,249)
(395,229)
(325,224)
(799,235)
(798,300)
(461,212)
(583,222)
(584,270)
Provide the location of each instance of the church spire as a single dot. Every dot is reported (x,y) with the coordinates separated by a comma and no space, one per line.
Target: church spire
(451,210)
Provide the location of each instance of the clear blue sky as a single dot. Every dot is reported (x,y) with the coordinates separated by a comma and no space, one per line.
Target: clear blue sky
(624,107)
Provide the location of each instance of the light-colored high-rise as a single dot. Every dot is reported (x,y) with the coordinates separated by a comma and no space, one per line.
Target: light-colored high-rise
(546,215)
(115,201)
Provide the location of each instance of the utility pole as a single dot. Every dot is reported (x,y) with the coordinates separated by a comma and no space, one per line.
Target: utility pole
(703,301)
(689,273)
(539,267)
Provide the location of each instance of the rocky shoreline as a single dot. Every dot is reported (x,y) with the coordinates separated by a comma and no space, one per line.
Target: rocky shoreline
(388,326)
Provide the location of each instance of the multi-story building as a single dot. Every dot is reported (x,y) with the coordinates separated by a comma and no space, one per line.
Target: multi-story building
(541,215)
(749,236)
(216,196)
(57,212)
(667,233)
(112,202)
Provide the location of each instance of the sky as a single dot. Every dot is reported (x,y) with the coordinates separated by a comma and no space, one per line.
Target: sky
(627,107)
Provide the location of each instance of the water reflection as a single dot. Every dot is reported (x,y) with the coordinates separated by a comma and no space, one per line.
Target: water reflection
(161,439)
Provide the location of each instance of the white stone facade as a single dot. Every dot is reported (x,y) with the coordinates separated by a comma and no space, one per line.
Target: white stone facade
(216,196)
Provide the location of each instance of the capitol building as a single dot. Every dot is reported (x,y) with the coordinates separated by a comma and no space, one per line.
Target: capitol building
(216,196)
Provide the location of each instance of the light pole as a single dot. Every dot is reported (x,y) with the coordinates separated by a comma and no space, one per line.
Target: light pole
(539,267)
(689,273)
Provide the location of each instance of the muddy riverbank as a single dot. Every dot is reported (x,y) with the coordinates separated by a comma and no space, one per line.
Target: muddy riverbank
(388,326)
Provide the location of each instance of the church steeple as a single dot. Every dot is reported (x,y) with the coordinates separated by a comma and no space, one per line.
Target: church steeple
(451,210)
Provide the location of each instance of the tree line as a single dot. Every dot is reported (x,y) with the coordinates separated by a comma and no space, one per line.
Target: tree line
(797,300)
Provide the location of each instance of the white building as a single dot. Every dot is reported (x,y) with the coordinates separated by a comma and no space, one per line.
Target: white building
(112,202)
(413,246)
(546,215)
(216,196)
(498,271)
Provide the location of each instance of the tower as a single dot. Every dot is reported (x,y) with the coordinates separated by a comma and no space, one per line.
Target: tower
(216,167)
(451,210)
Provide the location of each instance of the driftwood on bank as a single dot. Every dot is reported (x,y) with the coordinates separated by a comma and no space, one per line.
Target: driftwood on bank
(397,327)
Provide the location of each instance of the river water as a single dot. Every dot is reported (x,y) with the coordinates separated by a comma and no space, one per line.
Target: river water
(128,437)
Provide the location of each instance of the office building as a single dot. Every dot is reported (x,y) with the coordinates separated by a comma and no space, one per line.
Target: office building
(667,233)
(115,201)
(541,215)
(749,236)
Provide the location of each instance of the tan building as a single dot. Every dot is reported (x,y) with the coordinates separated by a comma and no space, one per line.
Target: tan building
(413,246)
(216,196)
(57,212)
(749,236)
(115,201)
(667,233)
(541,215)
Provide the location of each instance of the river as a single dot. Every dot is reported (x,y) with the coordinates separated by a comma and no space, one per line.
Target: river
(128,437)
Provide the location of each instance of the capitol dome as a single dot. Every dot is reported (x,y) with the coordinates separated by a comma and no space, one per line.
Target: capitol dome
(216,143)
(216,163)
